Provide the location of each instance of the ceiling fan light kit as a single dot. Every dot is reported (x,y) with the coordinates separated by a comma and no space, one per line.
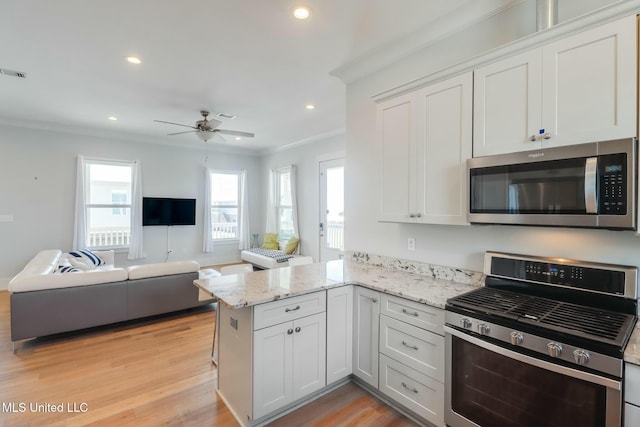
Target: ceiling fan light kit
(206,129)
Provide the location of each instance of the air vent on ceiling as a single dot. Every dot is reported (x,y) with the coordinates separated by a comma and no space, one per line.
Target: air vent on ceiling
(225,116)
(6,72)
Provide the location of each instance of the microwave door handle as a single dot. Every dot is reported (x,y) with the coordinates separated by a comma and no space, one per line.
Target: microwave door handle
(590,183)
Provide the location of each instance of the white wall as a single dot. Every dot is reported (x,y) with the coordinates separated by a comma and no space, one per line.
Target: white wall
(306,158)
(37,187)
(457,246)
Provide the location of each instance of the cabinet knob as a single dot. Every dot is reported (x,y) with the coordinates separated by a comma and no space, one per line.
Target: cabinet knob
(418,215)
(298,329)
(290,331)
(412,215)
(547,135)
(533,138)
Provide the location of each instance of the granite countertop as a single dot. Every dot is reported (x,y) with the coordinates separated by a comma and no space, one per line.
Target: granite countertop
(264,286)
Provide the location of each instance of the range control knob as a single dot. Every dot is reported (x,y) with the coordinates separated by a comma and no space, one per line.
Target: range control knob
(484,329)
(554,348)
(465,323)
(516,338)
(581,356)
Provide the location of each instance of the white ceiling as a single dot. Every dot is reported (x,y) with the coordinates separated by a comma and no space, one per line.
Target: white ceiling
(249,58)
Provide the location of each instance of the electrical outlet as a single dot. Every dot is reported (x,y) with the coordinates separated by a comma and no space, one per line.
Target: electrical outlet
(411,244)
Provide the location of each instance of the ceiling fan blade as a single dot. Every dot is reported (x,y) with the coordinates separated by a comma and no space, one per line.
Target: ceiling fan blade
(179,133)
(177,124)
(235,132)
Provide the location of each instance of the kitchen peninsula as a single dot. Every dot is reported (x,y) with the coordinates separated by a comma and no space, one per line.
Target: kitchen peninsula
(288,335)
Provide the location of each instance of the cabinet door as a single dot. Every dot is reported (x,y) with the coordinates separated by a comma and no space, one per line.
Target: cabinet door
(309,355)
(397,132)
(444,145)
(589,90)
(365,330)
(507,104)
(339,333)
(272,361)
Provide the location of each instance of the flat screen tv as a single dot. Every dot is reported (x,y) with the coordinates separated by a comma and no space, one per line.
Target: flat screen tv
(167,211)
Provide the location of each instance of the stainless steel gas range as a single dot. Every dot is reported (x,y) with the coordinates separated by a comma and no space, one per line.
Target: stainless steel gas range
(541,344)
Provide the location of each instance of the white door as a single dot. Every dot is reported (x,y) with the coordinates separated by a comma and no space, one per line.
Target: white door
(331,209)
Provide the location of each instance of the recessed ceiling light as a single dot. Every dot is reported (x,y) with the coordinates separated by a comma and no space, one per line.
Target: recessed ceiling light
(238,138)
(134,60)
(112,118)
(301,12)
(310,107)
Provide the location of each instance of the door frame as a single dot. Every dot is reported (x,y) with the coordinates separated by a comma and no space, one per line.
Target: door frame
(336,155)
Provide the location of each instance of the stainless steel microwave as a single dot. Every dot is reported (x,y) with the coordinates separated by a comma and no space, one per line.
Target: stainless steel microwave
(588,185)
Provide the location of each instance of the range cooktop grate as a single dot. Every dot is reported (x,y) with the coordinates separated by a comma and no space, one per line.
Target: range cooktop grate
(604,326)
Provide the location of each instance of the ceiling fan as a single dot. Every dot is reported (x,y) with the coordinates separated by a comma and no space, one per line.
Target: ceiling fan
(206,129)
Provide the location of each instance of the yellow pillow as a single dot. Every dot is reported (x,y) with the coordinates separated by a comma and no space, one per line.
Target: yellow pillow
(292,244)
(270,241)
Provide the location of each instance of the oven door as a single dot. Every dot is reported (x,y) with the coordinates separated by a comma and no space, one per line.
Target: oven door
(488,385)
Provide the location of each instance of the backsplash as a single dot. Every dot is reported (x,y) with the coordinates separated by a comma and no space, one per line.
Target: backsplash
(425,269)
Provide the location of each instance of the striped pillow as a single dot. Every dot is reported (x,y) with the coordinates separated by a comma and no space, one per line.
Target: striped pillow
(67,269)
(87,256)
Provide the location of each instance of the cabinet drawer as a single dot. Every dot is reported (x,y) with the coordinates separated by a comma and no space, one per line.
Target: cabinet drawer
(415,391)
(632,383)
(419,349)
(420,315)
(631,415)
(272,313)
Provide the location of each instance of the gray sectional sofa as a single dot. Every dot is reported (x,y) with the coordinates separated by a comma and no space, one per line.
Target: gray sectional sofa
(45,301)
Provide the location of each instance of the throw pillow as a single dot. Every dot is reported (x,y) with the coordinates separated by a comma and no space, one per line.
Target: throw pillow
(270,241)
(87,256)
(291,246)
(81,263)
(67,269)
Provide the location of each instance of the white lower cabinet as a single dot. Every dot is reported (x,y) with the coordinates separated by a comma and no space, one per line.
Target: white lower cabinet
(339,333)
(414,390)
(288,362)
(631,395)
(412,356)
(366,310)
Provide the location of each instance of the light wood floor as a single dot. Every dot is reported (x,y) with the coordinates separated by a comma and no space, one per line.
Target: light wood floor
(149,373)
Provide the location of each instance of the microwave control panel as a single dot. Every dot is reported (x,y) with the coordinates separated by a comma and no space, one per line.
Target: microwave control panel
(612,172)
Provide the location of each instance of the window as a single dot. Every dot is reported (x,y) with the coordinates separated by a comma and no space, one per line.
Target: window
(108,187)
(284,204)
(225,196)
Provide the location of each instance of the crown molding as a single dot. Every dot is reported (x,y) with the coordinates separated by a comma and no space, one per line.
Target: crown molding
(590,20)
(466,15)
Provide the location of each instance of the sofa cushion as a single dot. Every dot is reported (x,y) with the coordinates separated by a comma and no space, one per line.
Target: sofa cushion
(162,269)
(270,241)
(28,283)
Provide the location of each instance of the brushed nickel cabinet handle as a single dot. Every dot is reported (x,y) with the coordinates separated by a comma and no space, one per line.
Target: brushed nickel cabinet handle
(413,347)
(410,313)
(413,389)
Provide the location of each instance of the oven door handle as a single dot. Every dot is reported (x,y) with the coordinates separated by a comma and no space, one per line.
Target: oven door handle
(563,370)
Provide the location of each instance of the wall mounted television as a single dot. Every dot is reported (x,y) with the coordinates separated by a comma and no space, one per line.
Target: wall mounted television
(168,211)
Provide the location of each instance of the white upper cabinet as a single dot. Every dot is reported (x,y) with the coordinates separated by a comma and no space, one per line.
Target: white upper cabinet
(397,130)
(575,90)
(425,139)
(444,144)
(507,104)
